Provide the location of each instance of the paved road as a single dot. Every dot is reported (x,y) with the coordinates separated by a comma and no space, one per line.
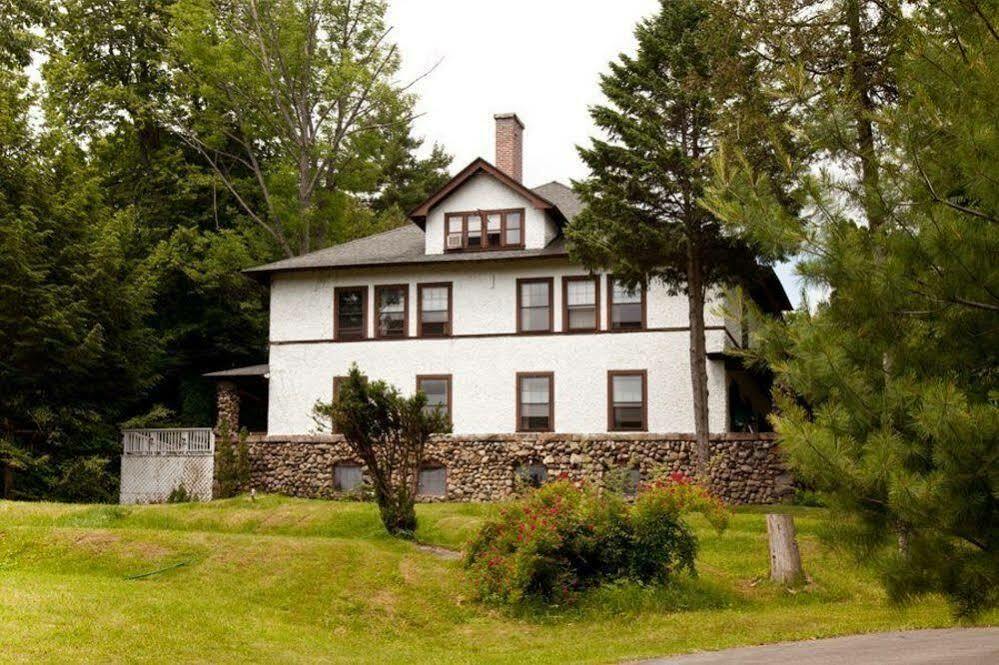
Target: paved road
(953,646)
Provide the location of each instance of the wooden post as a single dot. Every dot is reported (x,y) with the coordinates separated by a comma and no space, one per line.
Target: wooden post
(785,560)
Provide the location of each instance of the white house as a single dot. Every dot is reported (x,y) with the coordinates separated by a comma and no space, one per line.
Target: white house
(477,303)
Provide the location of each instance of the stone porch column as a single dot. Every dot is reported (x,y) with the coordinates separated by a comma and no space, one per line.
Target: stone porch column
(227,403)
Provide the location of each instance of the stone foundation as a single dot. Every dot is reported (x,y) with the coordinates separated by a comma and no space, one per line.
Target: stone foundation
(745,468)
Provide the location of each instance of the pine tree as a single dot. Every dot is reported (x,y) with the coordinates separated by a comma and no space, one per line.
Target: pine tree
(643,218)
(887,390)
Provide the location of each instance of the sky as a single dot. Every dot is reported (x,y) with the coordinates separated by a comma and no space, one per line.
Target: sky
(540,59)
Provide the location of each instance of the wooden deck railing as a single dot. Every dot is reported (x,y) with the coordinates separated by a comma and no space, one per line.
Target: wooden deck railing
(186,441)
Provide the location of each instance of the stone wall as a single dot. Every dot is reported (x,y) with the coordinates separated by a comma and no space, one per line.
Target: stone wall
(745,468)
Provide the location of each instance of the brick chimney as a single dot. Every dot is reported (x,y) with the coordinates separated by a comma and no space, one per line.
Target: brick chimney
(510,145)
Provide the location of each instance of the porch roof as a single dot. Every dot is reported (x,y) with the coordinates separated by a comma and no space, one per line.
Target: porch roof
(250,370)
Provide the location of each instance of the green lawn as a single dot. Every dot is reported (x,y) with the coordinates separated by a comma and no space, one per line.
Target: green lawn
(302,581)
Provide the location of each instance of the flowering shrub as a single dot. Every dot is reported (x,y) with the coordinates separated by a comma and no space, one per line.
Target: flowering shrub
(561,539)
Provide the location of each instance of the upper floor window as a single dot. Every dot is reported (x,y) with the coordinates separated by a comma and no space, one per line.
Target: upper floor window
(392,311)
(484,229)
(627,401)
(534,305)
(581,303)
(435,309)
(535,402)
(437,388)
(626,307)
(350,309)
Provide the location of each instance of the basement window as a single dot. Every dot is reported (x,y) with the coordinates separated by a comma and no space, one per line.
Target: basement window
(432,481)
(347,477)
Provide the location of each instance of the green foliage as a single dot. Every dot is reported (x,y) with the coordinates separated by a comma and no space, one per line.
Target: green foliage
(388,432)
(232,463)
(179,494)
(561,539)
(86,480)
(887,389)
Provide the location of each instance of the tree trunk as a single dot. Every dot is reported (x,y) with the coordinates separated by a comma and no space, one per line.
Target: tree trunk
(863,110)
(785,560)
(698,359)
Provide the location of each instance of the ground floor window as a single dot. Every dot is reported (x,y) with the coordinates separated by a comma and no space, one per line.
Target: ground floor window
(535,402)
(432,481)
(627,407)
(347,476)
(437,388)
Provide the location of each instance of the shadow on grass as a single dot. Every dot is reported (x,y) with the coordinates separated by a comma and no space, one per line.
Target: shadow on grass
(627,598)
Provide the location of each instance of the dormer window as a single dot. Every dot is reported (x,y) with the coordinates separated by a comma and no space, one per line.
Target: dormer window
(478,230)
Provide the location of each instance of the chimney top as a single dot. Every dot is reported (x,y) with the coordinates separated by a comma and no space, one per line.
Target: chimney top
(510,145)
(509,116)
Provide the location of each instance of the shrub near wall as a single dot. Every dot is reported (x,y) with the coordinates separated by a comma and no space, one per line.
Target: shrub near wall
(564,538)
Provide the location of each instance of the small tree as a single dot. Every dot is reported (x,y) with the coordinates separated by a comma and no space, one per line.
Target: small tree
(389,433)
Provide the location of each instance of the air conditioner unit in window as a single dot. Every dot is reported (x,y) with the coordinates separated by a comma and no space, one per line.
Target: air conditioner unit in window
(454,241)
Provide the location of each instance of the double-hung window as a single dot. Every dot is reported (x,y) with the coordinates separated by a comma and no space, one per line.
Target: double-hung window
(435,309)
(392,311)
(535,402)
(627,401)
(626,307)
(350,313)
(534,305)
(437,388)
(484,229)
(581,304)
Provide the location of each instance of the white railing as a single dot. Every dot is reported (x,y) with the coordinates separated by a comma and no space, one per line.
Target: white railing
(188,441)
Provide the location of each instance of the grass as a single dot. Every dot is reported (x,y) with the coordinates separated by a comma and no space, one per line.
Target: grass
(291,580)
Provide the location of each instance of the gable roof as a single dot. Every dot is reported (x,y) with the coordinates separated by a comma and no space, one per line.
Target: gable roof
(419,214)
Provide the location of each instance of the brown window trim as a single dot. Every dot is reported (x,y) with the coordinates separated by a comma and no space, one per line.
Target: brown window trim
(610,309)
(565,303)
(439,377)
(483,214)
(364,312)
(550,281)
(405,310)
(610,399)
(551,399)
(337,381)
(419,308)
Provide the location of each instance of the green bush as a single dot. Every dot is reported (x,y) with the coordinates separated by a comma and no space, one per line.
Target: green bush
(86,480)
(562,538)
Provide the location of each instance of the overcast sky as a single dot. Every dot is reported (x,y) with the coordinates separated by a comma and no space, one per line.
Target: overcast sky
(540,59)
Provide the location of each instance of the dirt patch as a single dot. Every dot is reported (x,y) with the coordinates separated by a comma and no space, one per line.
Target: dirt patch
(440,552)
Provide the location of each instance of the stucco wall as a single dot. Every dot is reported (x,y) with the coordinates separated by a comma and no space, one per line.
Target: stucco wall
(744,468)
(484,192)
(484,367)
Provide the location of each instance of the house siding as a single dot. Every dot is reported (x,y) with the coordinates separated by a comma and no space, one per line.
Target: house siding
(485,353)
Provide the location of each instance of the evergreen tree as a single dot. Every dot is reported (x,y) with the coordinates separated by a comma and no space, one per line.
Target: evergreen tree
(643,219)
(887,391)
(76,353)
